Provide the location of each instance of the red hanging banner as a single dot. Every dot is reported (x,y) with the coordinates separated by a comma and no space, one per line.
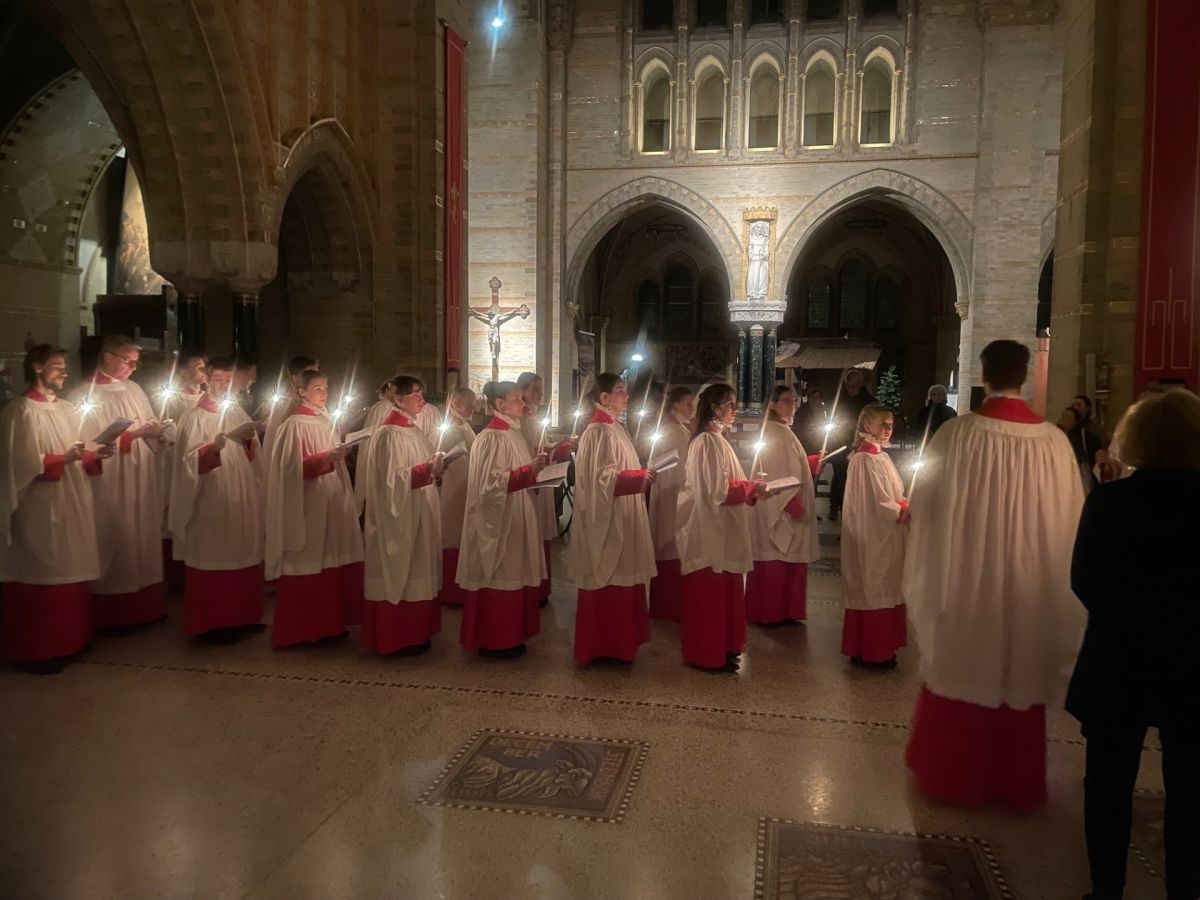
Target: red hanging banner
(455,197)
(1168,302)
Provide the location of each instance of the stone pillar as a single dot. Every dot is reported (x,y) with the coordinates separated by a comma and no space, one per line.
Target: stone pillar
(245,324)
(189,317)
(768,363)
(850,88)
(736,124)
(755,363)
(743,365)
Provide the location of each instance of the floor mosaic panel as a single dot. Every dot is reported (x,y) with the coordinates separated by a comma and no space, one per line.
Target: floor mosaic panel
(541,774)
(806,860)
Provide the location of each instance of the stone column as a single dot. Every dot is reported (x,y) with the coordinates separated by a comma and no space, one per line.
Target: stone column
(743,365)
(851,85)
(904,129)
(755,363)
(768,363)
(736,124)
(628,129)
(245,324)
(189,317)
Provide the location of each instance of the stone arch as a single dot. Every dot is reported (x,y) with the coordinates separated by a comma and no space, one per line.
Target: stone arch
(933,209)
(600,216)
(707,54)
(650,56)
(754,53)
(880,45)
(823,47)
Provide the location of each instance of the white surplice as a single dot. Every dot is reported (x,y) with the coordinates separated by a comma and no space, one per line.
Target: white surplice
(711,535)
(543,498)
(177,404)
(216,518)
(774,533)
(311,524)
(47,528)
(279,414)
(403,534)
(664,493)
(501,547)
(873,539)
(128,495)
(610,535)
(379,411)
(988,568)
(429,419)
(453,490)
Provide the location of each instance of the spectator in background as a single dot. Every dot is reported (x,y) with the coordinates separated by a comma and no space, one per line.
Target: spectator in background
(809,419)
(1138,667)
(854,399)
(936,412)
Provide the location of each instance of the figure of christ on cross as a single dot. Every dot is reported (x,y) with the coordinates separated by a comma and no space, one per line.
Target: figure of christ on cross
(494,316)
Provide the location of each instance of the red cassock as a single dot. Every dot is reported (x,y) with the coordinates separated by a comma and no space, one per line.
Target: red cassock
(611,552)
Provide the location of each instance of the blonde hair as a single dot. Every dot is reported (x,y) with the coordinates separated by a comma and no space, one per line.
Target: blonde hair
(873,413)
(1161,432)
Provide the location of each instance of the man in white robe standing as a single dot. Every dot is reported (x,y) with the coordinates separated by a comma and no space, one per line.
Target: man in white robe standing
(988,587)
(48,548)
(192,377)
(128,495)
(216,514)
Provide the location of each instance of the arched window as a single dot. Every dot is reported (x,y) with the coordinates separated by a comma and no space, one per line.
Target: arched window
(824,10)
(711,13)
(713,315)
(648,302)
(766,12)
(763,130)
(818,106)
(887,304)
(710,110)
(818,305)
(680,290)
(656,112)
(875,126)
(852,295)
(657,14)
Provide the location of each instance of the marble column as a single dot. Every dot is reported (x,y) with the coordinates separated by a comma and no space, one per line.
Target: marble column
(189,317)
(768,363)
(743,366)
(245,324)
(756,366)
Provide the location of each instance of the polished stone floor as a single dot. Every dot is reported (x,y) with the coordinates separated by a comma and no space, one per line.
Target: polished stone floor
(158,768)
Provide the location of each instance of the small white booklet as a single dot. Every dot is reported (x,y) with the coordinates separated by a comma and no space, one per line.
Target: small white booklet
(117,428)
(243,432)
(670,461)
(779,485)
(551,475)
(458,451)
(355,437)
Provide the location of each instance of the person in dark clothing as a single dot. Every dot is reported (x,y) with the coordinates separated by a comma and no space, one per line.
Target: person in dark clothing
(809,421)
(853,400)
(936,412)
(1138,667)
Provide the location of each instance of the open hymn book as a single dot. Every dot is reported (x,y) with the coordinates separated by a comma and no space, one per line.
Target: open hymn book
(551,476)
(113,431)
(458,451)
(355,437)
(779,485)
(670,461)
(243,432)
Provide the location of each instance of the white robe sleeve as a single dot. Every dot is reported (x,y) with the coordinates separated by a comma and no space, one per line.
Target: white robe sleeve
(285,498)
(596,545)
(22,461)
(185,477)
(488,486)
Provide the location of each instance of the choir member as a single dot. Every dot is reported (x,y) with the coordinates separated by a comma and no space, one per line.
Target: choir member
(532,429)
(48,550)
(987,582)
(193,378)
(402,529)
(216,513)
(245,375)
(380,410)
(453,490)
(674,435)
(611,552)
(127,495)
(501,564)
(429,420)
(784,526)
(314,545)
(714,537)
(285,405)
(874,528)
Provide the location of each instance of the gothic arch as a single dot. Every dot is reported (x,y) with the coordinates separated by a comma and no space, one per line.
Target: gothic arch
(889,45)
(826,47)
(604,213)
(933,209)
(707,54)
(759,49)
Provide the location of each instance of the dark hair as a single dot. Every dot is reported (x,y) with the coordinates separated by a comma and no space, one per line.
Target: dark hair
(1074,412)
(310,376)
(221,364)
(112,343)
(678,393)
(710,398)
(606,383)
(298,365)
(811,391)
(242,362)
(1005,364)
(779,391)
(525,379)
(402,385)
(39,356)
(188,356)
(495,391)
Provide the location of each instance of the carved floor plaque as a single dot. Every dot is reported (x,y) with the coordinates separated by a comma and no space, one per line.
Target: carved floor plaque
(541,774)
(805,859)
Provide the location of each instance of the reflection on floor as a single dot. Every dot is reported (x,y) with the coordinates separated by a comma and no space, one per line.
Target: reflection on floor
(164,768)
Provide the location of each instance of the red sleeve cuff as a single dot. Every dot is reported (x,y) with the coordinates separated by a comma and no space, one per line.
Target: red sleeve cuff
(739,492)
(248,446)
(317,465)
(631,481)
(53,466)
(562,452)
(92,464)
(422,476)
(125,444)
(519,479)
(904,504)
(814,464)
(795,507)
(210,458)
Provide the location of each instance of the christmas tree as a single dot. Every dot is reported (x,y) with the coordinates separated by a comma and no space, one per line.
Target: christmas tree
(888,393)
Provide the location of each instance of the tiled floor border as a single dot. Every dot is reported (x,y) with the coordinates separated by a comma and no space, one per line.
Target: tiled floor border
(531,695)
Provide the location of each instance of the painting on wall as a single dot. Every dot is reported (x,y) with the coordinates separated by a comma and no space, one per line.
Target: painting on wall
(133,274)
(697,363)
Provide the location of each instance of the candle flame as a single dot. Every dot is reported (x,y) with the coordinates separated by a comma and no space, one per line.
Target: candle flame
(654,437)
(641,412)
(828,427)
(275,398)
(918,465)
(759,447)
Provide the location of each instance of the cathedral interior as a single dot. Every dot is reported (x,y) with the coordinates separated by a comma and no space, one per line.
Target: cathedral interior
(703,188)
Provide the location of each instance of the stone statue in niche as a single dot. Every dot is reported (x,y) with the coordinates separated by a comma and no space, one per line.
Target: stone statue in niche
(758,261)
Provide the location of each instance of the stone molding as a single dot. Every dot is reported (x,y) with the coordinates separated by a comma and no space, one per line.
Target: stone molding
(1015,12)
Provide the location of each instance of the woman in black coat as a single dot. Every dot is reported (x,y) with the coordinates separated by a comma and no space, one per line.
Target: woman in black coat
(1139,666)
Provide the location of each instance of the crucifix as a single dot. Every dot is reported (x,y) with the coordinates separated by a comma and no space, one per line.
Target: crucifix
(494,317)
